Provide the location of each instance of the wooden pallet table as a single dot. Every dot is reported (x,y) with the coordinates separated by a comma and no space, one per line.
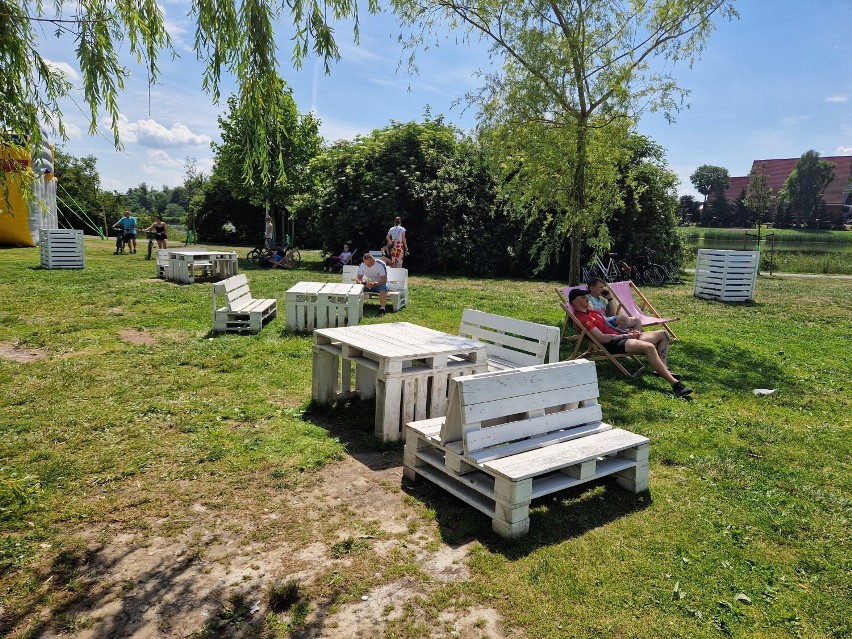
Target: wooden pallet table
(311,305)
(185,266)
(61,248)
(406,367)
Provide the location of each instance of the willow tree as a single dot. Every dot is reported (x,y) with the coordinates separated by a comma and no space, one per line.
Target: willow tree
(232,38)
(581,72)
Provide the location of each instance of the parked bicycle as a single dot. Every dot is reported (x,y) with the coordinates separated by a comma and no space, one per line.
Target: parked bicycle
(263,255)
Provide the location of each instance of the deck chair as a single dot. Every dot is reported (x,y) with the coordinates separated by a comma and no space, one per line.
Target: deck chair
(586,345)
(647,314)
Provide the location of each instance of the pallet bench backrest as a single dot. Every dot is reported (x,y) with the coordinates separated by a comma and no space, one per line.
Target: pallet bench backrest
(511,340)
(517,406)
(235,289)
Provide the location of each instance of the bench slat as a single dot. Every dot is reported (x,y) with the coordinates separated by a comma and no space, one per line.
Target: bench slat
(551,458)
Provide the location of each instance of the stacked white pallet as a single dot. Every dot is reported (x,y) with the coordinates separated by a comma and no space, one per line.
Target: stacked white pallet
(61,248)
(727,276)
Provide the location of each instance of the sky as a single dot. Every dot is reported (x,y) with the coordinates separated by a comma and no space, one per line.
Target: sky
(773,84)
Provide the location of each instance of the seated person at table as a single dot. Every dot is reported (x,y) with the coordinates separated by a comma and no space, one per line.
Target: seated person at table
(335,262)
(373,274)
(654,344)
(601,300)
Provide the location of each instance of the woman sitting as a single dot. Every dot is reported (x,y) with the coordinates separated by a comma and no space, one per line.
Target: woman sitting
(337,262)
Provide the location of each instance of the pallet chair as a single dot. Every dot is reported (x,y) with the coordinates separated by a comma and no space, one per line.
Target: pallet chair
(594,350)
(624,294)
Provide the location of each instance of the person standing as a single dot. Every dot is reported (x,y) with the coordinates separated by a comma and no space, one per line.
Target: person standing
(269,232)
(397,242)
(159,228)
(128,226)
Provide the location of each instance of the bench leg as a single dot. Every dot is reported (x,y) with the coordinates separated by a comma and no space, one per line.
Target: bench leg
(325,371)
(512,507)
(635,479)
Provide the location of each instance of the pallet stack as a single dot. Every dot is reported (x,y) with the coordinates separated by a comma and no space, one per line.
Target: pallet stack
(61,248)
(727,276)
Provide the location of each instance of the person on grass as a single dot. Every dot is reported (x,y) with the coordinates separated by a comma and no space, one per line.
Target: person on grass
(373,274)
(397,243)
(128,227)
(603,301)
(654,345)
(336,262)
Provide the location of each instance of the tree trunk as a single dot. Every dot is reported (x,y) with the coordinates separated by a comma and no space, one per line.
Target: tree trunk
(579,204)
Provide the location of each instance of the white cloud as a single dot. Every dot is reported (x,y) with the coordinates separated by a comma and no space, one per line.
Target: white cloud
(844,150)
(792,120)
(151,133)
(837,98)
(334,130)
(69,71)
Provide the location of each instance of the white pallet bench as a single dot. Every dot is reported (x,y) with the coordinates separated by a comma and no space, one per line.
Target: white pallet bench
(727,276)
(61,248)
(397,285)
(241,311)
(511,343)
(512,436)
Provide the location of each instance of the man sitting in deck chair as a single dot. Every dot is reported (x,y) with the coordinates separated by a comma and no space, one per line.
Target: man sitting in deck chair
(654,344)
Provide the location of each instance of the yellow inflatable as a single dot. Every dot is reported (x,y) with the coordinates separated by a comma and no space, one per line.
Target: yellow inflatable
(20,219)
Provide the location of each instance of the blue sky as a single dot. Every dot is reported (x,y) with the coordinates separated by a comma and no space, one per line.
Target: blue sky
(772,84)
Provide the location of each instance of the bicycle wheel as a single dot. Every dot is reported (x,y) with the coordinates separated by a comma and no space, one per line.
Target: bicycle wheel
(253,256)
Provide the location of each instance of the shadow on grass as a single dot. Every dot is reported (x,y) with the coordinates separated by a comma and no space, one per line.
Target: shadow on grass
(553,519)
(82,581)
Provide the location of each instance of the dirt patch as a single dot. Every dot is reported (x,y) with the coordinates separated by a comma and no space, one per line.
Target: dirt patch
(138,337)
(346,526)
(16,353)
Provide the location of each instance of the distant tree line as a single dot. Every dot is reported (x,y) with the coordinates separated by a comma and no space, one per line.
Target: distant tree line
(798,203)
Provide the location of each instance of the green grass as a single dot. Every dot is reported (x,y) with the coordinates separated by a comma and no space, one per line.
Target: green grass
(745,531)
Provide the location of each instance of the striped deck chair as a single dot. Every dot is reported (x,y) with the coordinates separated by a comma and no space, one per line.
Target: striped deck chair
(647,314)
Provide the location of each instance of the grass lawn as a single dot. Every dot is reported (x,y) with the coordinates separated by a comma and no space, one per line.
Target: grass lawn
(127,426)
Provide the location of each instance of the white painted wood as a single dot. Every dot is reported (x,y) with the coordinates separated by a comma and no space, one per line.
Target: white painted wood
(511,342)
(241,311)
(728,276)
(61,248)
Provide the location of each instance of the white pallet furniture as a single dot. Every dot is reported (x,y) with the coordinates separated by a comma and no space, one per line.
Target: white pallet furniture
(163,268)
(241,311)
(186,265)
(512,343)
(397,285)
(404,366)
(727,276)
(512,436)
(61,248)
(311,305)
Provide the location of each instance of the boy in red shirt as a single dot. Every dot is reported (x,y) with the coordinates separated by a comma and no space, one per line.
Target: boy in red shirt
(654,344)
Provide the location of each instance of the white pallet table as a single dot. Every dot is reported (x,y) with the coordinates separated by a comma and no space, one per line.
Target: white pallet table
(301,306)
(404,366)
(727,276)
(340,305)
(512,436)
(186,265)
(61,248)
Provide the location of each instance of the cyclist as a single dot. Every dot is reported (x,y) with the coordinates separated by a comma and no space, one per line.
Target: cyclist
(128,226)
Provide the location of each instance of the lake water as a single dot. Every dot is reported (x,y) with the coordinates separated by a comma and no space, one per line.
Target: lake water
(737,244)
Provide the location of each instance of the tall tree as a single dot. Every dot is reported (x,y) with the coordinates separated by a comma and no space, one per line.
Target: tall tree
(291,138)
(578,67)
(79,203)
(709,179)
(687,209)
(232,38)
(803,189)
(759,197)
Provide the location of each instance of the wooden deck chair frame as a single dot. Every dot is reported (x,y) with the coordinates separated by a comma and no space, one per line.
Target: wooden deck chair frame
(594,350)
(647,314)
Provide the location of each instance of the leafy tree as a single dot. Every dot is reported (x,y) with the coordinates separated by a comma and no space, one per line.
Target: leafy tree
(647,219)
(292,138)
(234,38)
(709,179)
(759,198)
(79,203)
(803,189)
(688,209)
(216,205)
(578,68)
(430,175)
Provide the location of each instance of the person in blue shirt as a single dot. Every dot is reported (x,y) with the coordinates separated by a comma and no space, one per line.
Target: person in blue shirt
(128,226)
